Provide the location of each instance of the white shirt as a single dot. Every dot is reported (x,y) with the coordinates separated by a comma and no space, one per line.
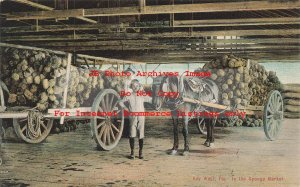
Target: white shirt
(136,103)
(127,86)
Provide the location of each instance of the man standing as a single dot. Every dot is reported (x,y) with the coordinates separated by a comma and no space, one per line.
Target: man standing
(128,79)
(136,123)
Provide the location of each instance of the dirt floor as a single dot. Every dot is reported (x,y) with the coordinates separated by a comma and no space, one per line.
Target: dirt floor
(242,157)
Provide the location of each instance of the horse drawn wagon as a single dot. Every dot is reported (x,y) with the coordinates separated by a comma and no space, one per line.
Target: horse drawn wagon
(197,95)
(33,125)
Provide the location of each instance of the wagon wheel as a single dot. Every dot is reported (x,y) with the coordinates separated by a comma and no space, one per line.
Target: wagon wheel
(2,130)
(107,130)
(2,103)
(34,128)
(2,108)
(206,93)
(201,125)
(273,115)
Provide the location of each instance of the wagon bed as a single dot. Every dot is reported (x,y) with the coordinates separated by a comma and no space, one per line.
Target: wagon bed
(33,126)
(272,113)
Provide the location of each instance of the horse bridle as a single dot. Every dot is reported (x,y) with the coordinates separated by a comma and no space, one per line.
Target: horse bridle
(173,103)
(159,83)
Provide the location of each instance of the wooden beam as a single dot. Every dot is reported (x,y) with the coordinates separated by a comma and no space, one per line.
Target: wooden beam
(178,23)
(55,28)
(86,19)
(189,8)
(104,48)
(242,49)
(158,9)
(162,45)
(195,34)
(43,7)
(142,5)
(33,4)
(255,56)
(118,45)
(31,48)
(254,40)
(100,43)
(108,60)
(55,14)
(236,22)
(79,56)
(158,57)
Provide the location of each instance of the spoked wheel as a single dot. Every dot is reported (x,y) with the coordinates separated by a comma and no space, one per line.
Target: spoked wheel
(201,125)
(2,103)
(2,131)
(34,128)
(273,115)
(107,129)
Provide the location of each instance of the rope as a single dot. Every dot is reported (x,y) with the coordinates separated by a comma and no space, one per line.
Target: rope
(34,120)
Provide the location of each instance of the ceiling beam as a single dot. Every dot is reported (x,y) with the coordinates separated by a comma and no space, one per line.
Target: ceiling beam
(172,46)
(54,28)
(177,23)
(236,22)
(154,58)
(157,9)
(190,59)
(184,44)
(43,7)
(196,34)
(140,47)
(106,60)
(33,4)
(171,58)
(254,40)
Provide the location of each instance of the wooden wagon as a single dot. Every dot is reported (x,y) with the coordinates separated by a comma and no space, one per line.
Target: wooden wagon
(33,126)
(271,113)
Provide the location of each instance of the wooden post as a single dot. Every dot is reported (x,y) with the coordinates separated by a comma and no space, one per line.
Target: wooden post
(146,71)
(142,5)
(65,96)
(171,20)
(37,25)
(118,67)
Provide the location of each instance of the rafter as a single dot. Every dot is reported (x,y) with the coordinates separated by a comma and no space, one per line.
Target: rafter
(81,46)
(165,44)
(236,22)
(157,9)
(196,57)
(33,4)
(43,7)
(127,36)
(177,23)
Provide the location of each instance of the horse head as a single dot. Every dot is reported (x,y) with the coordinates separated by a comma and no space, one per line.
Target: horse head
(162,85)
(159,84)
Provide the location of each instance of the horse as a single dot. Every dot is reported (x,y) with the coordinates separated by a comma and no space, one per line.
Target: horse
(205,90)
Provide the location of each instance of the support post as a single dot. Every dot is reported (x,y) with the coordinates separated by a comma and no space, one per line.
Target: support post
(142,5)
(65,96)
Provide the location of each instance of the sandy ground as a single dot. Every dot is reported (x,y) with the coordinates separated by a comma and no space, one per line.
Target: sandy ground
(242,157)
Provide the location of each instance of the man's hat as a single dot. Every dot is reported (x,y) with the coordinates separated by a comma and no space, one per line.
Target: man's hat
(129,70)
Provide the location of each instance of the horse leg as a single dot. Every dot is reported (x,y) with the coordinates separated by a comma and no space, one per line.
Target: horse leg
(212,137)
(185,133)
(208,129)
(175,133)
